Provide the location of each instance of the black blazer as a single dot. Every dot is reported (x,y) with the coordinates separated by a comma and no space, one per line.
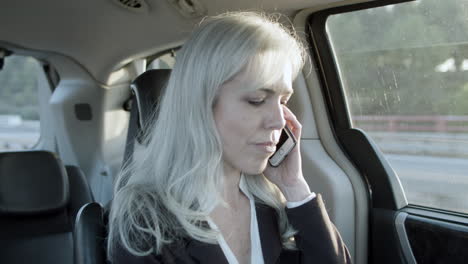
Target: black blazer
(317,241)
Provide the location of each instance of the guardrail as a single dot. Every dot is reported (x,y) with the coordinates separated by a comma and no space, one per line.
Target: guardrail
(412,123)
(10,120)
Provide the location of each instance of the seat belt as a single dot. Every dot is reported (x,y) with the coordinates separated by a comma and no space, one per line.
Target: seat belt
(132,131)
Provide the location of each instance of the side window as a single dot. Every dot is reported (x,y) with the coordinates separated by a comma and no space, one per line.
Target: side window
(19,104)
(404,70)
(165,61)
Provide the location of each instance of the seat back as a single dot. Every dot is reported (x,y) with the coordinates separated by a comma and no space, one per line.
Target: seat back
(38,204)
(147,88)
(80,192)
(89,235)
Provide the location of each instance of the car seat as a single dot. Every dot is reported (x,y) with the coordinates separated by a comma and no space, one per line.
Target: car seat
(39,199)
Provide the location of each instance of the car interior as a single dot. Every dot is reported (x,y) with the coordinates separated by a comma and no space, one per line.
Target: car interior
(101,67)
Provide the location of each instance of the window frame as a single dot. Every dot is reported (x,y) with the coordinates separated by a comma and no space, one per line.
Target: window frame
(373,167)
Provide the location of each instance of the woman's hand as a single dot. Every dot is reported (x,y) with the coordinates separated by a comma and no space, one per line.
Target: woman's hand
(288,175)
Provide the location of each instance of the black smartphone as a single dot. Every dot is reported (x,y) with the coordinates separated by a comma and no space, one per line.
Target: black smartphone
(286,143)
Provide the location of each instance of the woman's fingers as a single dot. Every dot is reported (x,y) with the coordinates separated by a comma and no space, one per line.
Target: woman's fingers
(292,122)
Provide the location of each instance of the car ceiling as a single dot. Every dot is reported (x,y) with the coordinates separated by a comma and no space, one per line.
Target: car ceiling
(103,35)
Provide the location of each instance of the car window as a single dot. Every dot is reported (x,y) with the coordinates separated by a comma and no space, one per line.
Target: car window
(19,104)
(165,61)
(404,71)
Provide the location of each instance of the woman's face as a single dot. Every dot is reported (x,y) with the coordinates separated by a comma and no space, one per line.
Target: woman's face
(250,121)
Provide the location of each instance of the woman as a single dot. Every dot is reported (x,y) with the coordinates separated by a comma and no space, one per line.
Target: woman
(203,191)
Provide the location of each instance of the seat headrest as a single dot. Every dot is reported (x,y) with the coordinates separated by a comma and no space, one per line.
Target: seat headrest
(147,88)
(32,182)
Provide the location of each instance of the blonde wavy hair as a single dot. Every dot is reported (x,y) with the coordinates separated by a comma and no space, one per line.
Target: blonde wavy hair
(167,193)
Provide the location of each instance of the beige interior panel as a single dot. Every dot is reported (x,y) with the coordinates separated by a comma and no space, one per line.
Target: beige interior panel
(327,168)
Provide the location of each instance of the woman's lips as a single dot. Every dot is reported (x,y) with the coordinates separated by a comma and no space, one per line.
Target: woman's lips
(268,147)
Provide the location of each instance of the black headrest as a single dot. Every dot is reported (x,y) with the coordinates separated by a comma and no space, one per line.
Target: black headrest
(32,182)
(147,88)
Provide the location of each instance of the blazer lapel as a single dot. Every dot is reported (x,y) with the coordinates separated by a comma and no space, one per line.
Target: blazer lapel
(269,238)
(269,233)
(206,253)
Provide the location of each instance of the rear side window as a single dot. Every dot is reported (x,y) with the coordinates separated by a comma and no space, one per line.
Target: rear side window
(19,104)
(165,61)
(404,70)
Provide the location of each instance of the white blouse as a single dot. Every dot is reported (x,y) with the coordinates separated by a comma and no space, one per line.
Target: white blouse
(256,247)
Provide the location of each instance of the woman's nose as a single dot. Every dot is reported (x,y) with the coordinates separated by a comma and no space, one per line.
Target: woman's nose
(275,118)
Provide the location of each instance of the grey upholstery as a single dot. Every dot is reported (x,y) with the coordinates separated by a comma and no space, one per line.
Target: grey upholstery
(38,202)
(23,178)
(80,191)
(89,235)
(147,89)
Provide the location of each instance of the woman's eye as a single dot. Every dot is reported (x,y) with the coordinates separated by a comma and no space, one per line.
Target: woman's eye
(256,102)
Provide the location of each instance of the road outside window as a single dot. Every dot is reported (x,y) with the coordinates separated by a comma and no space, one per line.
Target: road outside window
(19,105)
(404,69)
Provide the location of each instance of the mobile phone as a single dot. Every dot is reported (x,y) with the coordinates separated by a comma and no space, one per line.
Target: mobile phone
(286,143)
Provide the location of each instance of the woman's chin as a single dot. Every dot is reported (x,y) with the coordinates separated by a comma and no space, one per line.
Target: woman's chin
(257,169)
